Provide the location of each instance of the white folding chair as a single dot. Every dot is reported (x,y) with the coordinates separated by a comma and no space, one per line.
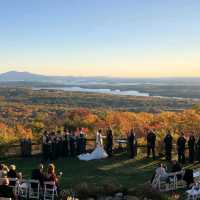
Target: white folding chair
(172,181)
(180,183)
(23,189)
(34,189)
(50,191)
(155,182)
(193,194)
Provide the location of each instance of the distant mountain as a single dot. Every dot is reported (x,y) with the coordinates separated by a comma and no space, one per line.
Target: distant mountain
(15,76)
(19,76)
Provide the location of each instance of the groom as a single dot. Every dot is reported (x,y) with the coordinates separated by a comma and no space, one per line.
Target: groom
(109,141)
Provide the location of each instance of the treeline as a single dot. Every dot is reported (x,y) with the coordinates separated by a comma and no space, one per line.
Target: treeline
(18,121)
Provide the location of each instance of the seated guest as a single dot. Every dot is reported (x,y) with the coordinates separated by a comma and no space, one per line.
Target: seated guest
(51,175)
(5,190)
(3,171)
(188,177)
(12,174)
(161,171)
(37,174)
(176,167)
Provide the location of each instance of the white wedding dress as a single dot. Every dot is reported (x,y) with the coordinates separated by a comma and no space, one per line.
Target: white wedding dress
(98,152)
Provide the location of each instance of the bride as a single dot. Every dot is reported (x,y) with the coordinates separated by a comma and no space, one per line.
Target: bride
(98,152)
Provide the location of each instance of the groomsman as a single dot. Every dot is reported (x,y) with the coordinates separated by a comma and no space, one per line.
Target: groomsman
(109,142)
(132,141)
(72,143)
(151,141)
(168,146)
(191,146)
(181,148)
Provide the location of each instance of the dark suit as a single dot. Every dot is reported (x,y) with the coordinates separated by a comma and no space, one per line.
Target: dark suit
(191,146)
(181,149)
(109,142)
(151,140)
(168,147)
(132,144)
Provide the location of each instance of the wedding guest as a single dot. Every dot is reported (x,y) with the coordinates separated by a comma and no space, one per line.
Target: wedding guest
(51,175)
(198,149)
(5,190)
(168,146)
(38,174)
(151,140)
(191,146)
(161,172)
(3,171)
(72,143)
(12,174)
(132,143)
(109,142)
(181,148)
(66,143)
(176,167)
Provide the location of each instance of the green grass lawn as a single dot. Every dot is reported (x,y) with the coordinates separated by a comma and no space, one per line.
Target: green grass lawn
(128,172)
(119,168)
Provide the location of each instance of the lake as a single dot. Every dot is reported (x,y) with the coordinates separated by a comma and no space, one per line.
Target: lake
(102,91)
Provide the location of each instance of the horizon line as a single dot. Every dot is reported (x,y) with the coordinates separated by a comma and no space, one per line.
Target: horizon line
(103,76)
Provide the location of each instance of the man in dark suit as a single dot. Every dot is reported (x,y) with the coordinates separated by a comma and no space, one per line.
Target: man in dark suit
(109,142)
(168,146)
(151,141)
(191,146)
(132,142)
(181,148)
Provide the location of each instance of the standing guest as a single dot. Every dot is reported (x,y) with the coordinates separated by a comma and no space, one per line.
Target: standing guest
(5,190)
(191,146)
(66,143)
(168,146)
(181,148)
(81,141)
(109,142)
(44,146)
(37,174)
(132,143)
(198,149)
(23,147)
(151,140)
(29,142)
(72,143)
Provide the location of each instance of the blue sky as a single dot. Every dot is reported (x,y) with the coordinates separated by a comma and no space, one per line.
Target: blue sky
(101,37)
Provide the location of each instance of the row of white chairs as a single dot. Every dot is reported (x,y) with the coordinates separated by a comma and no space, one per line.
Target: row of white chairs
(30,189)
(193,194)
(172,182)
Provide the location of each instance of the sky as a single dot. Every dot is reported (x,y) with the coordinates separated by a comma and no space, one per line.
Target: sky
(123,38)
